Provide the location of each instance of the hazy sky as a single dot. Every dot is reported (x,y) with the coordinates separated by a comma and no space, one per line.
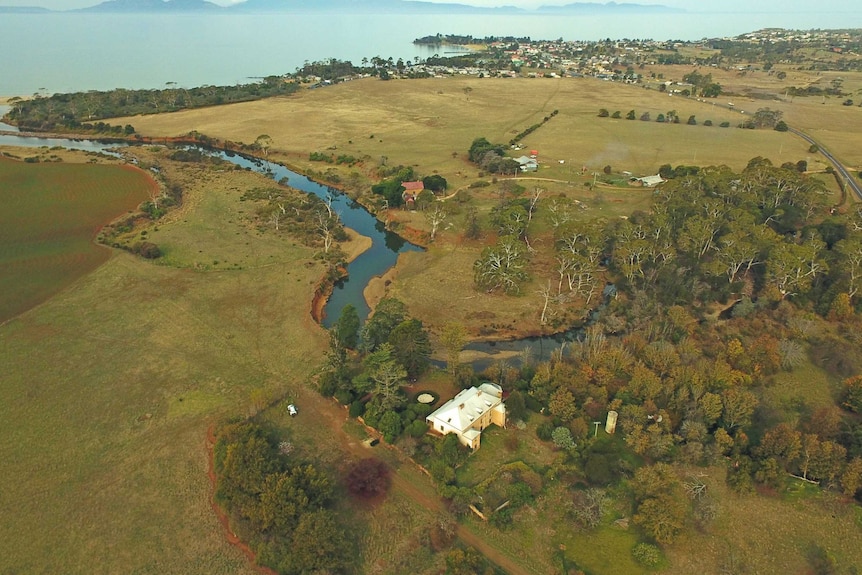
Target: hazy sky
(837,6)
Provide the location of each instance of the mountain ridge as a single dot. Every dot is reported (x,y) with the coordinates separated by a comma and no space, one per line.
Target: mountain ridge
(349,6)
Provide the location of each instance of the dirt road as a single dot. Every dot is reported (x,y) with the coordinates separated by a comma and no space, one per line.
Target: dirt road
(320,409)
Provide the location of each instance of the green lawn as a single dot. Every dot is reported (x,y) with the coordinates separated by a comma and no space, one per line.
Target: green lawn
(51,214)
(606,550)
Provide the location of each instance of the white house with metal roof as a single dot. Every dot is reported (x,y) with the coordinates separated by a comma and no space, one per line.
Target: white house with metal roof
(470,412)
(650,181)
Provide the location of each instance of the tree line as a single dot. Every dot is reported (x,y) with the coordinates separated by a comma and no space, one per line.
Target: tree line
(760,244)
(82,110)
(732,280)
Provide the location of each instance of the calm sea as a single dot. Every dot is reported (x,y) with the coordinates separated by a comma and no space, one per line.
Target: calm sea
(66,52)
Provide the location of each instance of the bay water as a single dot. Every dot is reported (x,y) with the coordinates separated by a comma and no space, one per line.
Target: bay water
(67,52)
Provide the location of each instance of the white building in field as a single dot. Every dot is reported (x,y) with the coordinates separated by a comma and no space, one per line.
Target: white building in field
(470,412)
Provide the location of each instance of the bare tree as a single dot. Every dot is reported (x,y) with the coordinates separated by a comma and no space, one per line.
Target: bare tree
(559,214)
(534,199)
(546,295)
(434,218)
(324,227)
(155,193)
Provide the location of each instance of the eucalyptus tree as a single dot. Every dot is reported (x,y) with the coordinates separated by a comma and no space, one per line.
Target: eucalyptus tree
(502,266)
(849,251)
(792,267)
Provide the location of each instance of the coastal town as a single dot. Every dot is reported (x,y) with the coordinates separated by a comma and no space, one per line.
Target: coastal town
(621,60)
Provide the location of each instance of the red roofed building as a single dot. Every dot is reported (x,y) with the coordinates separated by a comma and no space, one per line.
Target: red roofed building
(411,190)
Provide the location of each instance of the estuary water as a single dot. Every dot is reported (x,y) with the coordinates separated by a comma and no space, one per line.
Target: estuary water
(68,52)
(375,261)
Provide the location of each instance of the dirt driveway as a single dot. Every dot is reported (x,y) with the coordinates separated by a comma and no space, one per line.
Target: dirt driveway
(323,410)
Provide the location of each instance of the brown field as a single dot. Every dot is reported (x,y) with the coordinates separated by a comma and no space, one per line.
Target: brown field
(108,389)
(52,213)
(423,122)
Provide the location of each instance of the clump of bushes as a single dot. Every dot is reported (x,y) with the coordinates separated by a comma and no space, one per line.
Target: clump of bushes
(368,478)
(646,554)
(321,157)
(148,250)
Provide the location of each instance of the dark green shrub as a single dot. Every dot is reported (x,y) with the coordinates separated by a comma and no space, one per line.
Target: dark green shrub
(545,430)
(149,250)
(357,409)
(344,396)
(418,428)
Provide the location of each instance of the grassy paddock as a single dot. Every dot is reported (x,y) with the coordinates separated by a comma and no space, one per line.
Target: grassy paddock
(768,534)
(422,122)
(108,389)
(52,212)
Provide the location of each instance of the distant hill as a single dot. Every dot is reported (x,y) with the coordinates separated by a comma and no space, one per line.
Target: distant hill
(23,10)
(349,6)
(609,7)
(359,6)
(114,6)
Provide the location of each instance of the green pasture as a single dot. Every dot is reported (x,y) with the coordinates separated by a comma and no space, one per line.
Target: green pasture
(607,549)
(108,389)
(52,212)
(495,451)
(761,533)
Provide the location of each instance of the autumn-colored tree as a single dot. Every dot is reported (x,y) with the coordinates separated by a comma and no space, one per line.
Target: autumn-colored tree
(368,478)
(853,393)
(825,422)
(851,478)
(781,443)
(828,461)
(662,506)
(739,405)
(562,404)
(842,308)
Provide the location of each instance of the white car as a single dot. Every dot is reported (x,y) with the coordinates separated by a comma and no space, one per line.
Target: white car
(291,409)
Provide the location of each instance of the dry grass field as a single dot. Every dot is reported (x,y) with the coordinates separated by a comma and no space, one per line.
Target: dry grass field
(424,122)
(831,123)
(108,389)
(762,533)
(52,212)
(429,124)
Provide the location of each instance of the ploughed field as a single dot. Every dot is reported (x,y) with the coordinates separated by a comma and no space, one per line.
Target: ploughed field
(51,214)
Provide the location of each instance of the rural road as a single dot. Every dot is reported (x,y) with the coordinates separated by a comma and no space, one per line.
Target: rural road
(852,182)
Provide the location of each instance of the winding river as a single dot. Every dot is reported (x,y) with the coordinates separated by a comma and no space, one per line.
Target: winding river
(375,261)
